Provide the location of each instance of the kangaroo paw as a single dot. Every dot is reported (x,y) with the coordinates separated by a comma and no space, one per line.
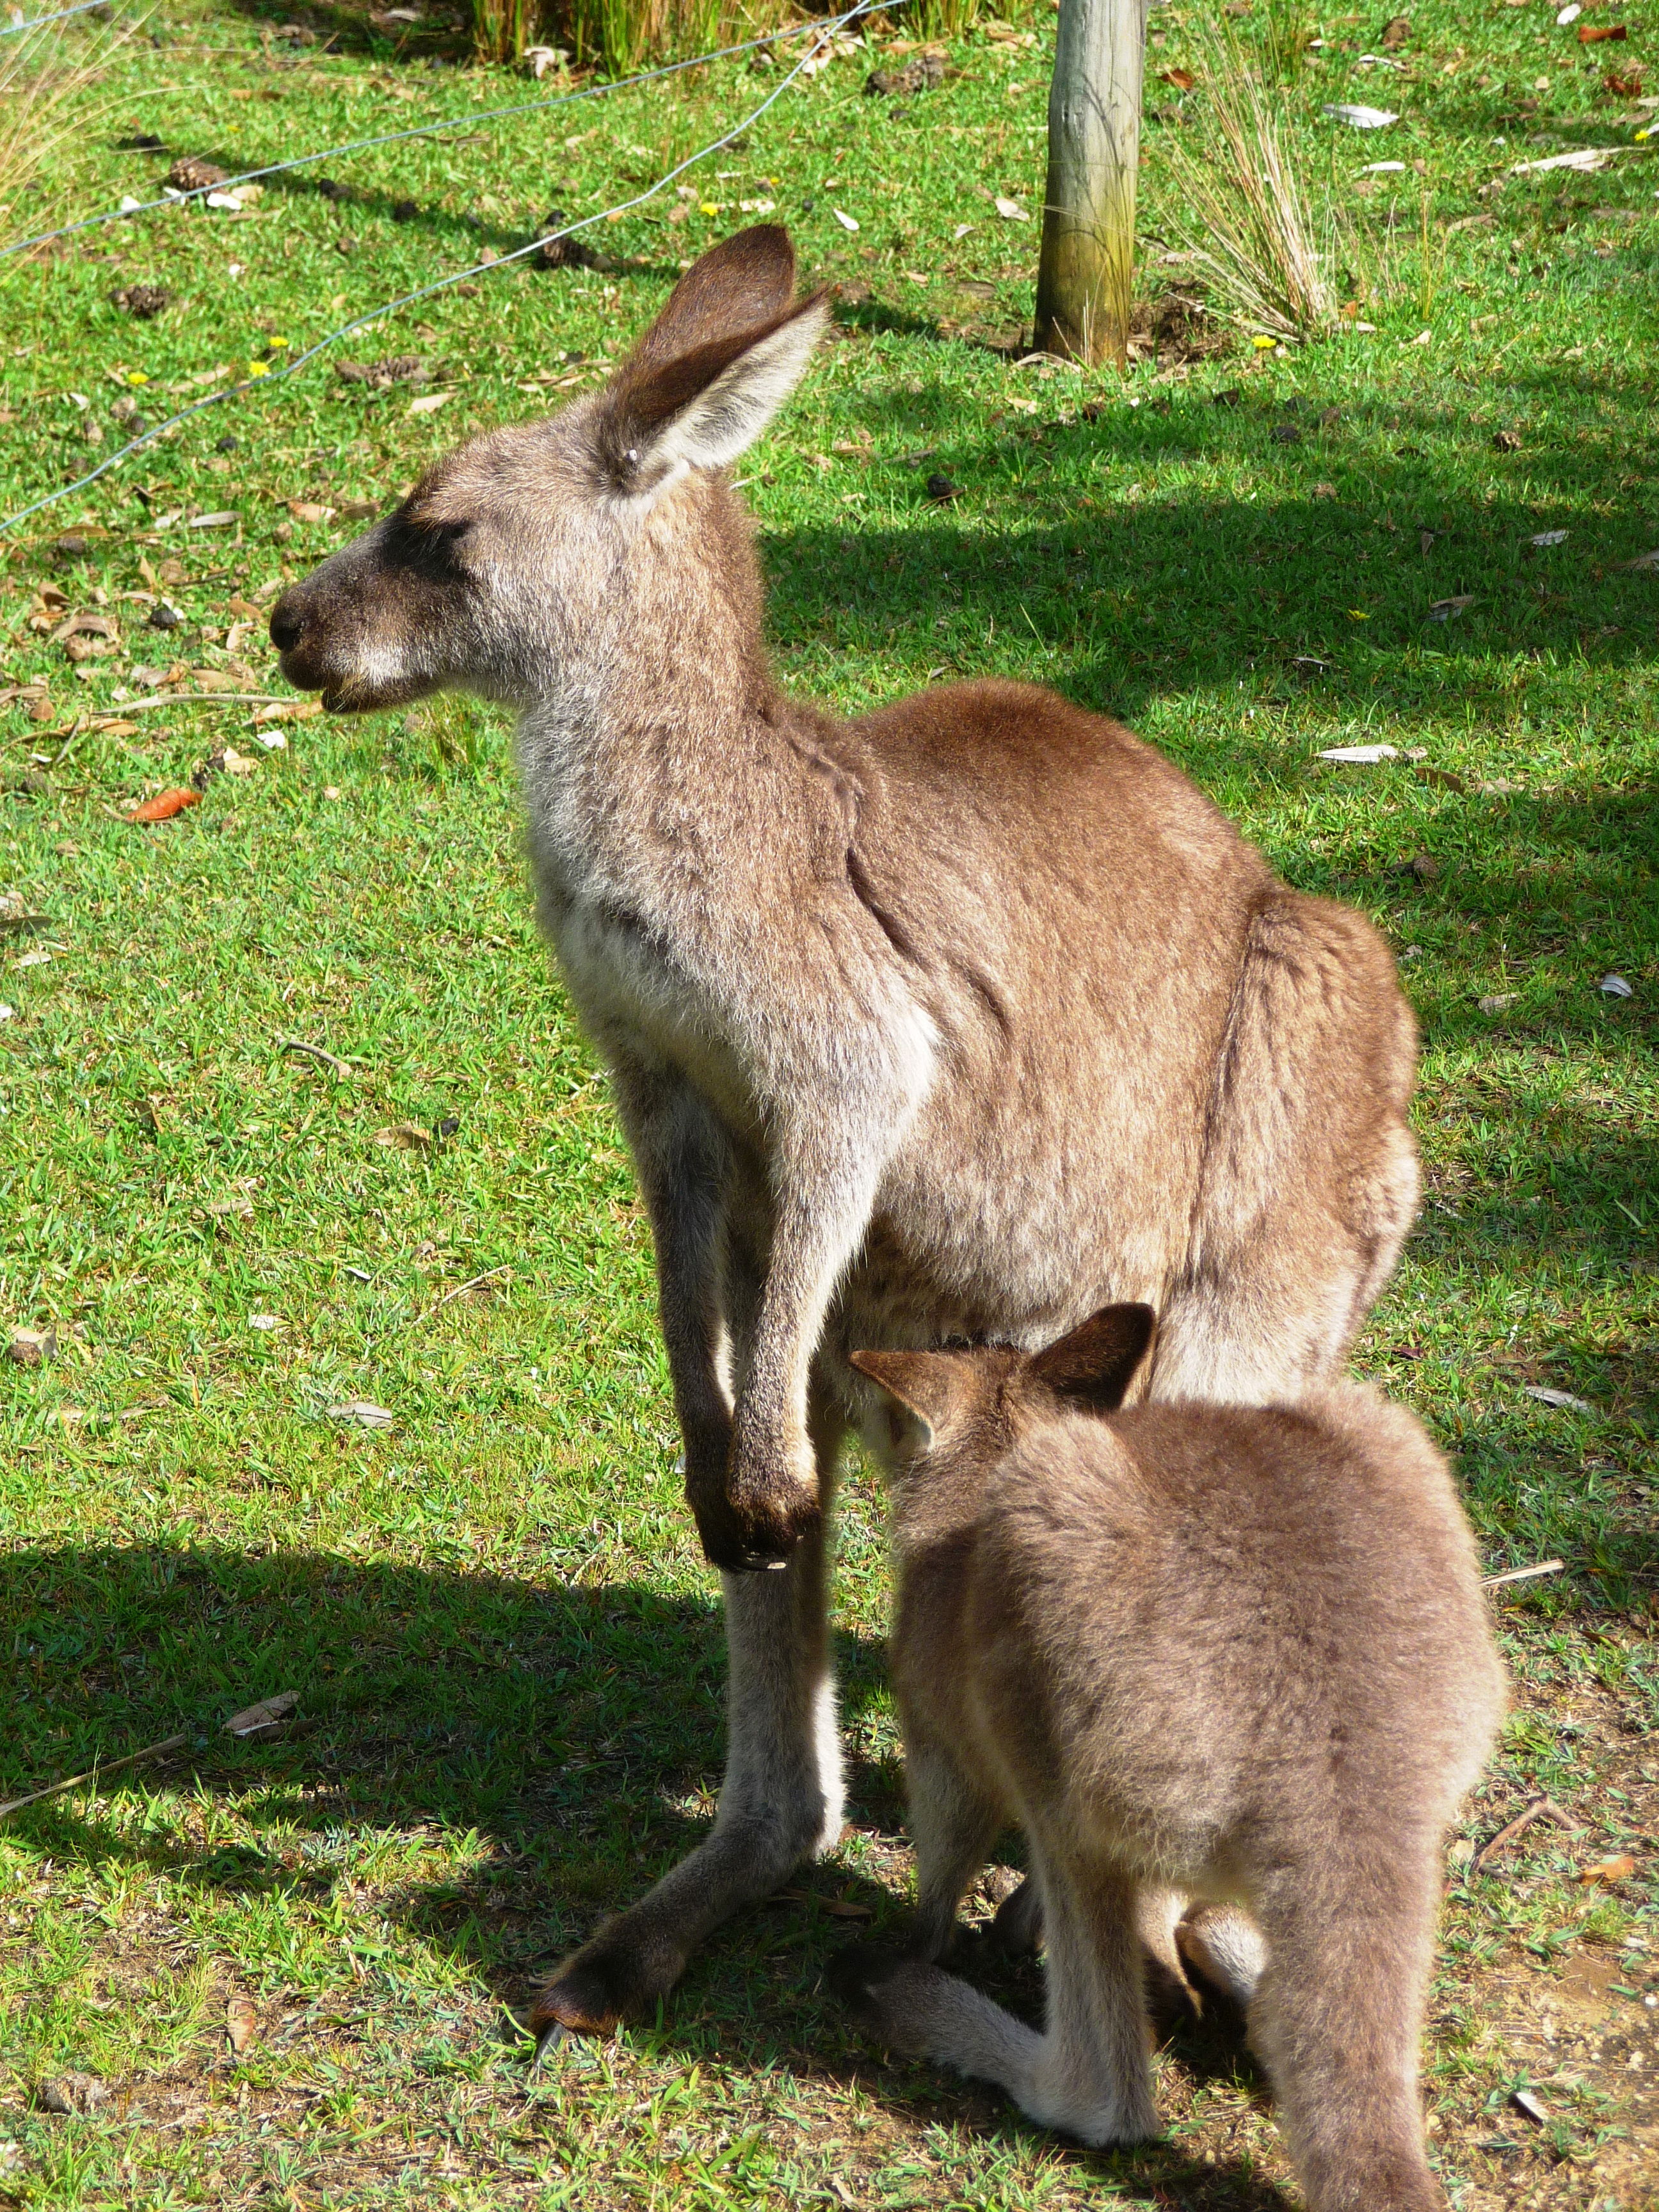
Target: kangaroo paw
(748,1526)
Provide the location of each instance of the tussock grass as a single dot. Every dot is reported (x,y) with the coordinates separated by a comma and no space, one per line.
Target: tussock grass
(1265,245)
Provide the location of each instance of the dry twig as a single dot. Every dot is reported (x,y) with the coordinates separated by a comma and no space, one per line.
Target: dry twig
(72,1781)
(1541,1808)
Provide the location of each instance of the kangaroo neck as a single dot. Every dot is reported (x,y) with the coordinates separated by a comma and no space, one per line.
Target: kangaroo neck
(663,672)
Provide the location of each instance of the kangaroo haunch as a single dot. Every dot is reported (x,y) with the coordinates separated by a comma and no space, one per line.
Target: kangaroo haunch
(951,1022)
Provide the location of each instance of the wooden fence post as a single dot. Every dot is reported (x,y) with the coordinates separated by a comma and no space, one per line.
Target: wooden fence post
(1088,207)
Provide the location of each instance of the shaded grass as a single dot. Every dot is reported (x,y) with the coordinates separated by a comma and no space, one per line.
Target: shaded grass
(507,1647)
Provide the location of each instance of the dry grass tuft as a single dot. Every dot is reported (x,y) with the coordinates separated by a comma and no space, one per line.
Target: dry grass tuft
(1267,255)
(38,82)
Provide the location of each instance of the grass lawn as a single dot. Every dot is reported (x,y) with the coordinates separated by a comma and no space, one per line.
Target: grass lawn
(279,1973)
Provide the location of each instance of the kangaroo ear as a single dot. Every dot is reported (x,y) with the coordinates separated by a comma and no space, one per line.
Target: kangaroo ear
(1096,1363)
(715,366)
(927,1384)
(746,282)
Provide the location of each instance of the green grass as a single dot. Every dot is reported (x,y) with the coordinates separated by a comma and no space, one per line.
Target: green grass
(506,1649)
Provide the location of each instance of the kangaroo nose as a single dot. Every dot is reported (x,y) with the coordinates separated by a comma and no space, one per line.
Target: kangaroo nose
(285,624)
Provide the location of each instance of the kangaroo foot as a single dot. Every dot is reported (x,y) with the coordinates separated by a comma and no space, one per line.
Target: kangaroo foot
(615,1976)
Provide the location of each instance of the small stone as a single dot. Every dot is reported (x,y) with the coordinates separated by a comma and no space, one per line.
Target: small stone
(32,1347)
(162,616)
(405,210)
(942,491)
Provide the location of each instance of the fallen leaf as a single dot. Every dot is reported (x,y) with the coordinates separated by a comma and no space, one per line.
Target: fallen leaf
(838,1908)
(289,710)
(1613,1869)
(1615,986)
(259,1720)
(1570,14)
(1548,538)
(1496,1001)
(1009,210)
(1444,779)
(32,1347)
(1383,169)
(845,220)
(1524,2101)
(1183,80)
(216,679)
(235,763)
(1645,560)
(264,1322)
(241,2022)
(1360,755)
(1449,610)
(1562,1401)
(1581,157)
(223,520)
(1361,118)
(1594,34)
(406,1136)
(429,402)
(33,960)
(309,510)
(1396,31)
(366,1415)
(165,805)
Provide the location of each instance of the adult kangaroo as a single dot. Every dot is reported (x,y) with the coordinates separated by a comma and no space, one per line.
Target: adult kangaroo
(950,1024)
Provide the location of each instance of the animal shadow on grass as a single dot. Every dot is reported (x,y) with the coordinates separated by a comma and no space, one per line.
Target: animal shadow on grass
(576,1733)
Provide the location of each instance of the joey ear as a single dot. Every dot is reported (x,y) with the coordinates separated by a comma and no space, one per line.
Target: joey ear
(927,1384)
(711,371)
(1096,1362)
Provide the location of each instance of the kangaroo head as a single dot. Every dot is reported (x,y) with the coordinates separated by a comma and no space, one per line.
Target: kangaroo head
(970,1406)
(520,556)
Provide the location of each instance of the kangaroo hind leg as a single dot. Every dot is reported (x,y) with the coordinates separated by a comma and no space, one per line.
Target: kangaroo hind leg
(1337,2020)
(1087,2074)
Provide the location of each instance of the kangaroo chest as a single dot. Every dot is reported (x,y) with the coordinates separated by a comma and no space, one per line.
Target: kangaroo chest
(636,994)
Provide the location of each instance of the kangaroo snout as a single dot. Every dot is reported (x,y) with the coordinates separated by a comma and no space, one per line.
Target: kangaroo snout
(361,628)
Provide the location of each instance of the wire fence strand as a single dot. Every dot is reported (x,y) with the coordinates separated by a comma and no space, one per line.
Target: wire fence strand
(467,122)
(34,23)
(827,27)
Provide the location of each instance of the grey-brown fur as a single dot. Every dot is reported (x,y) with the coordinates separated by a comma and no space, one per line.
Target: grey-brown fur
(1237,1655)
(948,1021)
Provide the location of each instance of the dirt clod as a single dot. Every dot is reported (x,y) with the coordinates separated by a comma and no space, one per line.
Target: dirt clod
(191,173)
(143,302)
